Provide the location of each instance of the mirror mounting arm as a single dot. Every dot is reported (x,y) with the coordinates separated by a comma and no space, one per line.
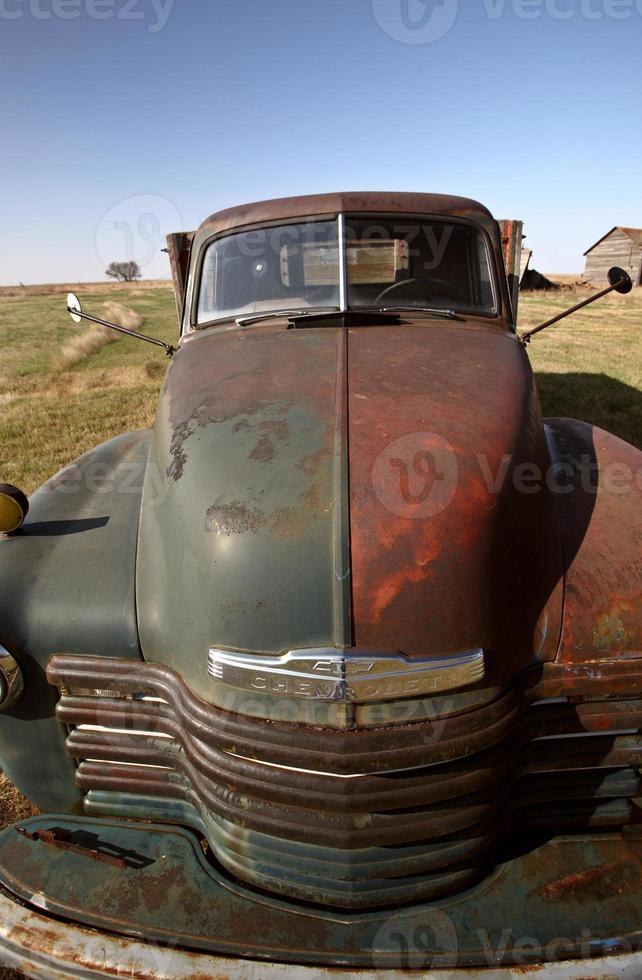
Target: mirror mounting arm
(76,313)
(619,280)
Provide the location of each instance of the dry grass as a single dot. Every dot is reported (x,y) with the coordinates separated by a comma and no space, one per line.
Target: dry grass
(123,315)
(84,346)
(13,806)
(86,288)
(96,337)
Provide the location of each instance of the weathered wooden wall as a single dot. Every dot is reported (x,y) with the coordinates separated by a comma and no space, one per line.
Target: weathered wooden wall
(512,236)
(178,249)
(616,249)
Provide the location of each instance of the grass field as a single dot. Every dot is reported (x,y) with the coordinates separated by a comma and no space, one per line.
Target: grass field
(49,416)
(590,365)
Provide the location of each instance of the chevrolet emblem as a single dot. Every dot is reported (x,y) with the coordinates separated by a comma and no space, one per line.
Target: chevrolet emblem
(346,676)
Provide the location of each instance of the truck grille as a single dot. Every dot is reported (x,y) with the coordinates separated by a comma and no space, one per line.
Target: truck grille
(351,819)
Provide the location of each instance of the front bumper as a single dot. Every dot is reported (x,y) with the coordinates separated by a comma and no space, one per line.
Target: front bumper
(45,949)
(571,907)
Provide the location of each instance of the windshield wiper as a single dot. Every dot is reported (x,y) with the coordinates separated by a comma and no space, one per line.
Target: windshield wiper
(244,321)
(330,311)
(449,314)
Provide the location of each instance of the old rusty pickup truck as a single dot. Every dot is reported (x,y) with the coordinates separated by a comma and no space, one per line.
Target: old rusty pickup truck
(338,671)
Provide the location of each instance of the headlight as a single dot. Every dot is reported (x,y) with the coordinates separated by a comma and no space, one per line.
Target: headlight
(13,508)
(11,683)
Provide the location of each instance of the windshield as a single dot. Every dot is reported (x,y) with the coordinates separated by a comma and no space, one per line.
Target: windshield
(347,263)
(401,262)
(287,267)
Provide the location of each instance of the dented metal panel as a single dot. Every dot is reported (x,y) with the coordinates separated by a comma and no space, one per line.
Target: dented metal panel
(559,899)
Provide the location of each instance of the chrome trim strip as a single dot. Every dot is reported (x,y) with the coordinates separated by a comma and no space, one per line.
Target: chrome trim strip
(343,264)
(11,682)
(345,676)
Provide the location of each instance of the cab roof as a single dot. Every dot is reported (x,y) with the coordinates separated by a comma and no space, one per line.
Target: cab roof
(350,202)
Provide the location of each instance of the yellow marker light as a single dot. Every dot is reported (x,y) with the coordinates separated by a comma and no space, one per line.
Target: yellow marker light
(14,507)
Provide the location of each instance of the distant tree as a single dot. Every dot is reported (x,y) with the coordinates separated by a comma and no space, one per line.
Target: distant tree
(124,271)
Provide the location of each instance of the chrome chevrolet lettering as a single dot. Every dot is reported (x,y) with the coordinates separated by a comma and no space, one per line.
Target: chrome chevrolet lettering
(345,676)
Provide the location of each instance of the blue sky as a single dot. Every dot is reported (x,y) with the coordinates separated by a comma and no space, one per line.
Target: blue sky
(124,118)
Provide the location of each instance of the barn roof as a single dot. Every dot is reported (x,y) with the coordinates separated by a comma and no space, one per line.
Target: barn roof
(635,234)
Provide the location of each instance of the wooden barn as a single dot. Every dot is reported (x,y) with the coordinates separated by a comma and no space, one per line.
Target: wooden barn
(620,246)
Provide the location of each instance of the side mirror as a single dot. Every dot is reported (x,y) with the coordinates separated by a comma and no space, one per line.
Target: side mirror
(74,308)
(75,311)
(619,280)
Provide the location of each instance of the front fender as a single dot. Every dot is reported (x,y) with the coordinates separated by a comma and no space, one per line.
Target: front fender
(67,584)
(600,496)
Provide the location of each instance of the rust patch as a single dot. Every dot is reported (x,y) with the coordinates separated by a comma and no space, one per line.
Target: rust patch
(310,464)
(288,521)
(270,433)
(610,632)
(235,518)
(603,546)
(200,416)
(598,883)
(437,541)
(239,518)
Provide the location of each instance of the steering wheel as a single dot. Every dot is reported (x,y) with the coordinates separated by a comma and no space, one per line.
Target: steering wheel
(391,289)
(441,285)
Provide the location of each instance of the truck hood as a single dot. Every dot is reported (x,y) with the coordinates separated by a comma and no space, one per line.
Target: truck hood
(324,487)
